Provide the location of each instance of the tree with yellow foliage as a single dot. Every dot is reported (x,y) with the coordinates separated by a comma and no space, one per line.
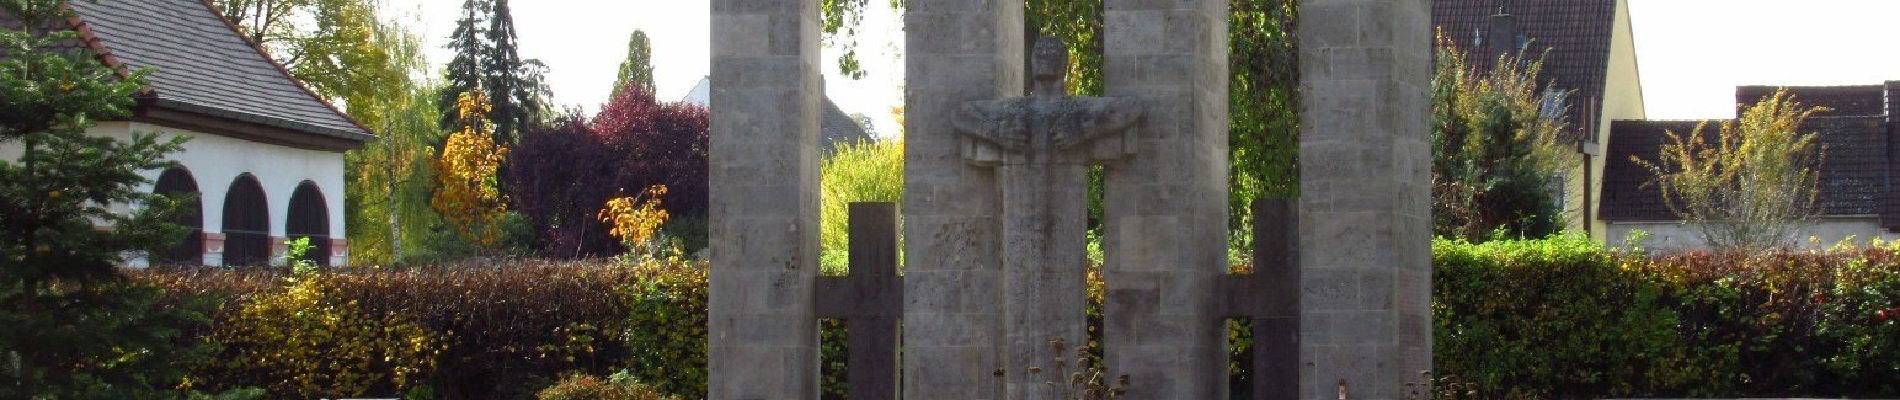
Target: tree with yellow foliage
(1750,184)
(468,194)
(635,219)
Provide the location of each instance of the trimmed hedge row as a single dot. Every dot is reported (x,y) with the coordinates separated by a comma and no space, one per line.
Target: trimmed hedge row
(1514,319)
(492,332)
(1563,318)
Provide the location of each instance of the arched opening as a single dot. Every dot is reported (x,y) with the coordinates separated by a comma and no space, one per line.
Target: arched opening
(310,218)
(246,223)
(178,184)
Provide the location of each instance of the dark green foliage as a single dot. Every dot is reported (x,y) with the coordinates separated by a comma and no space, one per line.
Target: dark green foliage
(71,327)
(665,328)
(486,59)
(505,78)
(1264,103)
(465,70)
(1561,318)
(104,340)
(1552,318)
(1778,324)
(1494,150)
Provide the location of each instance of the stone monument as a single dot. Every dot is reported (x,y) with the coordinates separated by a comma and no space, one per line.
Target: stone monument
(994,203)
(1041,147)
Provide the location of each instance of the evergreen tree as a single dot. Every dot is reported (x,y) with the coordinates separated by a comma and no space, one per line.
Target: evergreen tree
(71,326)
(638,68)
(465,70)
(516,106)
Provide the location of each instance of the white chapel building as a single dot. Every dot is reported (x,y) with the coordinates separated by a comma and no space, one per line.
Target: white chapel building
(265,154)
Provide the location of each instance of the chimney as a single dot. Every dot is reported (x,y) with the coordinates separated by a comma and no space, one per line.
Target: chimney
(1503,37)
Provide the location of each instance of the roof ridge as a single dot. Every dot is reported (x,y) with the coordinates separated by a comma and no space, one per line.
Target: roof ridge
(94,43)
(282,70)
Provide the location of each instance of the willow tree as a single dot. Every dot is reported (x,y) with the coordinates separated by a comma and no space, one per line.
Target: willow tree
(1752,185)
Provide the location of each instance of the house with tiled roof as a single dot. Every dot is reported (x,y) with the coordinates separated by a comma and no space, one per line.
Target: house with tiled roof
(1856,195)
(1589,53)
(265,154)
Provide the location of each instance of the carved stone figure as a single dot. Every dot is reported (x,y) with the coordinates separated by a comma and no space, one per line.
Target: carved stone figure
(1049,126)
(1041,147)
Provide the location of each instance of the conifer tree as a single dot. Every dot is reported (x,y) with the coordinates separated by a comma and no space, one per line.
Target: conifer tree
(638,68)
(465,70)
(72,206)
(516,106)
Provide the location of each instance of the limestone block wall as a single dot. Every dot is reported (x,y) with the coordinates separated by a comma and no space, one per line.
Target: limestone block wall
(764,192)
(956,51)
(1365,216)
(1166,204)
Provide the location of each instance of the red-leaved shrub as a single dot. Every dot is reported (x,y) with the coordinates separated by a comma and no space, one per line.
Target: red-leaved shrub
(561,175)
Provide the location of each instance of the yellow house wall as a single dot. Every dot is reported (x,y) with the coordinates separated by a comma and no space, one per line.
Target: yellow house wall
(1622,100)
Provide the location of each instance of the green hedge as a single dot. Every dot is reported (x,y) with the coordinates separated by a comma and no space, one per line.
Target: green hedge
(1563,318)
(1551,318)
(1514,319)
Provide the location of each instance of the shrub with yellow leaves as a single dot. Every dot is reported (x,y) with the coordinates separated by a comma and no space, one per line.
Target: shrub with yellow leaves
(306,342)
(620,386)
(469,193)
(635,219)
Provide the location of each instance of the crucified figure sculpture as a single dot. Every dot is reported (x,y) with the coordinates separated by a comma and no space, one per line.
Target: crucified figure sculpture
(1041,147)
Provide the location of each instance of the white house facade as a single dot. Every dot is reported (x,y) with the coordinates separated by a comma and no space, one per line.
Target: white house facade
(264,155)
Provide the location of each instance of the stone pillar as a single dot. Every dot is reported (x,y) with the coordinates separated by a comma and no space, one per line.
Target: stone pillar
(764,193)
(1365,213)
(1167,205)
(956,51)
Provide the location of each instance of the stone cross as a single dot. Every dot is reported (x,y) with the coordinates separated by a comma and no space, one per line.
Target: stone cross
(1041,147)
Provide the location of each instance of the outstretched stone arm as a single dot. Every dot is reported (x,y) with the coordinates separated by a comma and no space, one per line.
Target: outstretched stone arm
(1088,119)
(998,123)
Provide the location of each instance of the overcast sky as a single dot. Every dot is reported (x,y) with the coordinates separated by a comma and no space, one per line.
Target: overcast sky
(1691,53)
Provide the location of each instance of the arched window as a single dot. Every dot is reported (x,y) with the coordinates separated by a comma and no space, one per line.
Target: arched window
(177,184)
(310,218)
(246,223)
